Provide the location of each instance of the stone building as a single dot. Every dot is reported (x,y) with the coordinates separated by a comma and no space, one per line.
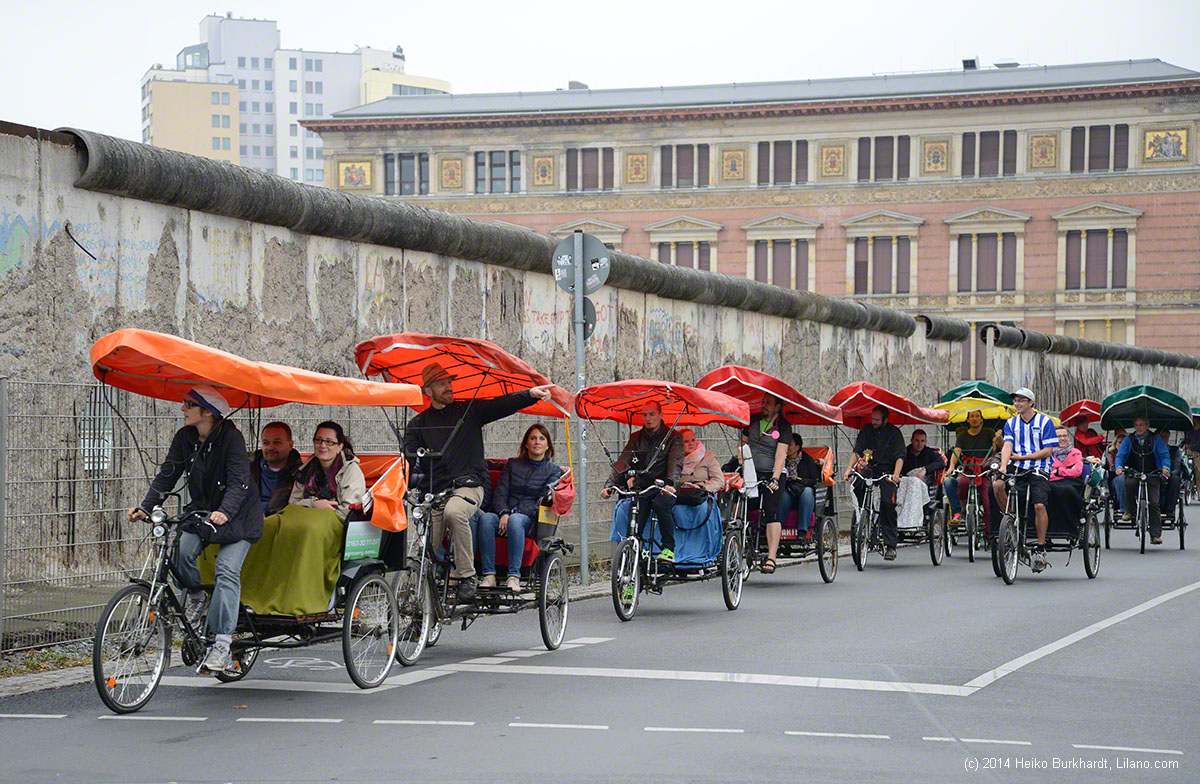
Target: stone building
(1062,198)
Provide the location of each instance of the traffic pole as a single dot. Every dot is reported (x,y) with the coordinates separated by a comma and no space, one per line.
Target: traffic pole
(581,427)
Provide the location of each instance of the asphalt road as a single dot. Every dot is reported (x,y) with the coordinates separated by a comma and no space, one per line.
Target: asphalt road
(904,672)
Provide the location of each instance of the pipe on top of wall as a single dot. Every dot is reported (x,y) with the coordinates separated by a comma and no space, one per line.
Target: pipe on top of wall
(1029,340)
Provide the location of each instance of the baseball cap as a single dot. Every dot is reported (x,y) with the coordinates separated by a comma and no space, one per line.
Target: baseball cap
(210,398)
(1024,392)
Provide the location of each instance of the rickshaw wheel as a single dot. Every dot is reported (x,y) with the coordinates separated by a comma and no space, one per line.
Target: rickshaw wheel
(244,660)
(947,535)
(131,650)
(369,629)
(993,546)
(731,570)
(1107,524)
(626,579)
(858,542)
(414,604)
(972,525)
(1143,527)
(1091,547)
(1180,522)
(827,549)
(937,537)
(1008,547)
(553,598)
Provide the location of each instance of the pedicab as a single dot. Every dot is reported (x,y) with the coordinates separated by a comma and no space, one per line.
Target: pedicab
(705,547)
(856,402)
(977,390)
(749,386)
(424,582)
(133,642)
(1189,493)
(1162,409)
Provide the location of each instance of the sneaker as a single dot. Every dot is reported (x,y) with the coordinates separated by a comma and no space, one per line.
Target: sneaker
(627,594)
(194,608)
(1037,562)
(217,660)
(488,581)
(1155,540)
(957,518)
(889,554)
(667,554)
(645,551)
(1126,517)
(513,584)
(466,589)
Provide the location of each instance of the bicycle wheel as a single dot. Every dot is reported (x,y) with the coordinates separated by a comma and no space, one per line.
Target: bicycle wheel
(414,604)
(1008,545)
(626,579)
(553,598)
(947,535)
(369,630)
(971,534)
(827,549)
(131,650)
(858,542)
(1091,547)
(731,570)
(1108,521)
(992,545)
(935,529)
(1180,523)
(1143,526)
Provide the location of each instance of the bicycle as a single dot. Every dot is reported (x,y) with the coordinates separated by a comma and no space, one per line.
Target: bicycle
(1013,545)
(973,512)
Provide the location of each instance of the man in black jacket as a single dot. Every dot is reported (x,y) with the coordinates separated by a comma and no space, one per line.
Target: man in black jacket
(654,452)
(880,447)
(453,431)
(273,467)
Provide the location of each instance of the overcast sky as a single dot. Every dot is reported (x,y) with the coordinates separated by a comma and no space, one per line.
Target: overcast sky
(76,63)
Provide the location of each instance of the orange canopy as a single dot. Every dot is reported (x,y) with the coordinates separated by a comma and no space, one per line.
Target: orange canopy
(167,367)
(856,401)
(749,385)
(482,370)
(622,401)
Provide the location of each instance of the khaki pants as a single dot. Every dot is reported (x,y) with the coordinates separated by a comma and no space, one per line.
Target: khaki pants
(457,516)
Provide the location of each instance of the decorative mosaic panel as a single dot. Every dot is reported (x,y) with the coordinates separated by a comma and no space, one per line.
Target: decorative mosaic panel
(543,170)
(452,174)
(733,165)
(1043,150)
(354,174)
(637,167)
(1169,145)
(935,156)
(833,160)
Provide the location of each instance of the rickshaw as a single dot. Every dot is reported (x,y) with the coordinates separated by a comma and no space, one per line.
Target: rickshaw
(710,549)
(427,602)
(133,642)
(978,390)
(856,402)
(1162,409)
(1189,493)
(750,385)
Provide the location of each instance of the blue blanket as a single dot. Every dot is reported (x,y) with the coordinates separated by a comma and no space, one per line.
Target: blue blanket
(697,531)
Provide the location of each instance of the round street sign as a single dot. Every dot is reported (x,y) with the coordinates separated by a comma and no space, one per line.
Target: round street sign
(596,263)
(589,318)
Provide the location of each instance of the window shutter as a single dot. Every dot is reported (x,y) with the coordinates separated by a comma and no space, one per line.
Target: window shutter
(802,265)
(499,177)
(1073,252)
(1098,148)
(801,161)
(781,263)
(968,154)
(702,166)
(572,169)
(764,163)
(1078,153)
(683,254)
(980,359)
(389,174)
(664,252)
(883,157)
(684,158)
(989,154)
(1008,266)
(408,175)
(986,260)
(666,166)
(591,168)
(514,171)
(760,261)
(481,171)
(881,282)
(703,257)
(1010,153)
(1096,271)
(1120,264)
(964,262)
(608,168)
(902,156)
(860,265)
(783,163)
(902,265)
(1121,147)
(864,158)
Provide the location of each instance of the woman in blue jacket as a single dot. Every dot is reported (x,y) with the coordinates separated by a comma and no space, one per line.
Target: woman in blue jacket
(523,483)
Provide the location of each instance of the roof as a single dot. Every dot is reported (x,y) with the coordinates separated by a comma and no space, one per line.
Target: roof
(988,80)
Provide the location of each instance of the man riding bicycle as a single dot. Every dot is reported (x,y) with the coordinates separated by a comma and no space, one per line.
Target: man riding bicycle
(1029,438)
(1145,453)
(880,448)
(973,445)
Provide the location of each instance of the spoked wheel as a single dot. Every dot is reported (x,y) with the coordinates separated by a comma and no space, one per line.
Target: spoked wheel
(1143,527)
(972,532)
(993,545)
(414,606)
(626,579)
(731,570)
(369,631)
(946,534)
(131,650)
(936,529)
(435,632)
(1180,522)
(1091,547)
(243,660)
(553,598)
(1108,514)
(827,549)
(1009,548)
(858,542)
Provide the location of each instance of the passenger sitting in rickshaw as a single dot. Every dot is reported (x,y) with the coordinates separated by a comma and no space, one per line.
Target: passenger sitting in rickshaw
(523,484)
(273,466)
(1067,474)
(768,435)
(800,486)
(919,482)
(655,452)
(972,446)
(1170,489)
(1066,461)
(1116,482)
(1088,441)
(702,475)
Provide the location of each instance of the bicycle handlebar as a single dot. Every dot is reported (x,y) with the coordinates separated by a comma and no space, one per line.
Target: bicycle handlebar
(626,493)
(874,481)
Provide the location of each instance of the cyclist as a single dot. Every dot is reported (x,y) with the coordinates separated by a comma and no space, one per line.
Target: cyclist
(1146,453)
(880,447)
(1029,438)
(973,445)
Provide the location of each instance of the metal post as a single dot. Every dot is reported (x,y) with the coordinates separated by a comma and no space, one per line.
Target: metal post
(580,383)
(3,492)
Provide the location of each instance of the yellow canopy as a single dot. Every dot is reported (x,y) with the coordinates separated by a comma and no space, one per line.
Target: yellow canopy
(990,409)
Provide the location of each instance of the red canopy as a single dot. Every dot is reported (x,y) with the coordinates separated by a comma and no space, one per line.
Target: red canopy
(167,367)
(482,370)
(749,385)
(856,401)
(1081,408)
(622,401)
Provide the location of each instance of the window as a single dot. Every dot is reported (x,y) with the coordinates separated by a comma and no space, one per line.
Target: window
(224,99)
(308,175)
(293,129)
(1088,253)
(242,106)
(293,107)
(974,356)
(683,166)
(270,151)
(269,108)
(224,120)
(1107,330)
(414,174)
(269,129)
(1120,147)
(308,153)
(775,261)
(224,142)
(1096,147)
(308,87)
(514,172)
(782,162)
(255,129)
(878,261)
(241,62)
(242,151)
(216,98)
(292,85)
(989,153)
(291,63)
(320,87)
(294,152)
(497,179)
(697,255)
(241,84)
(1010,153)
(216,142)
(968,154)
(308,109)
(481,172)
(320,153)
(318,63)
(308,64)
(987,262)
(268,63)
(320,108)
(253,62)
(864,159)
(268,85)
(389,173)
(255,150)
(216,121)
(883,158)
(589,159)
(253,84)
(295,172)
(588,167)
(255,107)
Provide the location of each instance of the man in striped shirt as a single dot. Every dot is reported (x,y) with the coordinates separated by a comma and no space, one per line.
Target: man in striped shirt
(1028,440)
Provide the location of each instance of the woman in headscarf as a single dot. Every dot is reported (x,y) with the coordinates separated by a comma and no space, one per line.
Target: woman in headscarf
(702,473)
(1066,461)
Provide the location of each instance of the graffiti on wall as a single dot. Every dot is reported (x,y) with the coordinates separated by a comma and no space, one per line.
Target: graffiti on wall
(18,236)
(221,265)
(667,332)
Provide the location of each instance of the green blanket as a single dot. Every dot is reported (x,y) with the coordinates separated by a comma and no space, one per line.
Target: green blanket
(294,568)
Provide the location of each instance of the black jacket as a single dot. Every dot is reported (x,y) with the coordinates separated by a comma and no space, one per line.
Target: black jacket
(432,429)
(667,461)
(218,480)
(928,458)
(523,484)
(283,489)
(886,445)
(807,472)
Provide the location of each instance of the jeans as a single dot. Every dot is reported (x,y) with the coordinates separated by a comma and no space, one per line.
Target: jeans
(1118,488)
(485,528)
(950,484)
(804,502)
(227,588)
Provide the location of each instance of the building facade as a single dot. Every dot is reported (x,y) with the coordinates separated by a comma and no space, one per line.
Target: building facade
(276,88)
(1062,198)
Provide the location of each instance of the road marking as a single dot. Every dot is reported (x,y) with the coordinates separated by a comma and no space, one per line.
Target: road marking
(1001,742)
(33,715)
(432,722)
(317,687)
(535,725)
(940,740)
(991,676)
(718,677)
(487,660)
(269,720)
(1127,748)
(520,654)
(837,735)
(695,729)
(589,640)
(566,646)
(134,717)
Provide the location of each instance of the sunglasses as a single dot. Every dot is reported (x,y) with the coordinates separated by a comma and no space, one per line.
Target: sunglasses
(325,441)
(190,404)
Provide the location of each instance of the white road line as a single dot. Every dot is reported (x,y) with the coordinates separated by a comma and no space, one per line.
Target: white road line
(431,722)
(269,720)
(317,687)
(33,715)
(521,654)
(566,646)
(940,740)
(1127,748)
(837,735)
(487,660)
(719,677)
(535,725)
(135,717)
(991,676)
(1001,742)
(589,640)
(695,729)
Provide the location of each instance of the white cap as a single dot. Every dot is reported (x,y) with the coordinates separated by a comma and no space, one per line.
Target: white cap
(211,399)
(1024,392)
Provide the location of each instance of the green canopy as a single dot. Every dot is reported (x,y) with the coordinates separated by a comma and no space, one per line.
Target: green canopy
(977,389)
(1195,411)
(1160,407)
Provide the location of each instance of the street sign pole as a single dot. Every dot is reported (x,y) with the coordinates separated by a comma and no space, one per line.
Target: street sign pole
(580,382)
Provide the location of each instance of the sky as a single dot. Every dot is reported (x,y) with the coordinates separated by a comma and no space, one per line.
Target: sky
(80,63)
